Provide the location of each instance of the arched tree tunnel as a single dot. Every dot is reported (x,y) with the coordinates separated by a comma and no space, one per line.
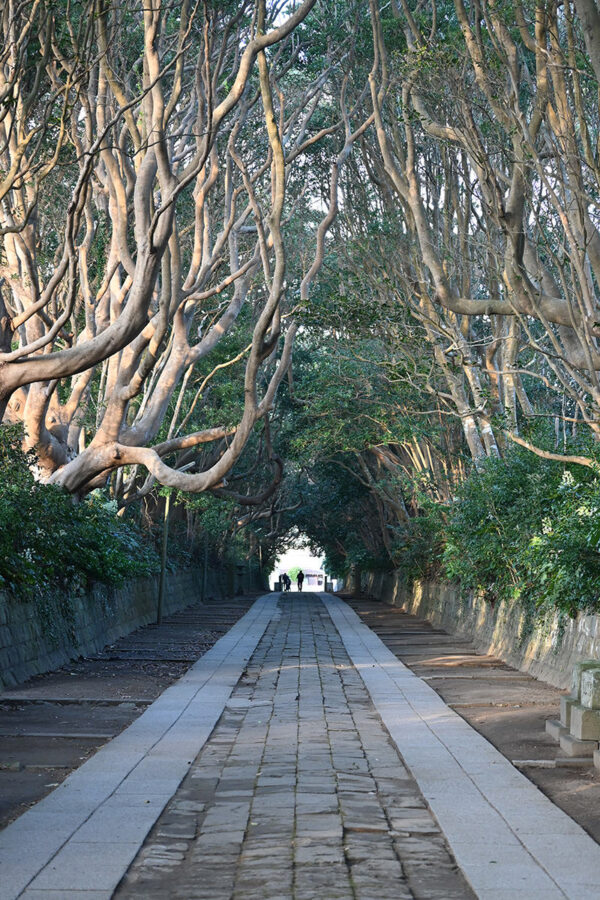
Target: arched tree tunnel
(275,271)
(316,269)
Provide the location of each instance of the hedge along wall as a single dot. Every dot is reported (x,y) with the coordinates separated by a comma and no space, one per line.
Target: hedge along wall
(548,651)
(37,637)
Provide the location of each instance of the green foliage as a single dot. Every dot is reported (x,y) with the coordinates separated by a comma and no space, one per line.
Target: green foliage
(492,516)
(338,517)
(522,529)
(215,517)
(48,542)
(418,547)
(528,529)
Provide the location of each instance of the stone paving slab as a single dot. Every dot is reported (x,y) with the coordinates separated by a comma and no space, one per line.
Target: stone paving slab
(508,838)
(79,840)
(299,794)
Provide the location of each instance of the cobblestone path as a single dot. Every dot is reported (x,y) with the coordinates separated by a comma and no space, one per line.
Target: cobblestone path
(299,792)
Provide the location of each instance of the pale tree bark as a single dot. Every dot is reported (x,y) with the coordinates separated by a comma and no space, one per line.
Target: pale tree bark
(175,205)
(533,179)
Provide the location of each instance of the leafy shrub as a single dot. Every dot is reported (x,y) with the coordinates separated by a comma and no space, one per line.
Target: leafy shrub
(561,562)
(47,541)
(528,528)
(418,546)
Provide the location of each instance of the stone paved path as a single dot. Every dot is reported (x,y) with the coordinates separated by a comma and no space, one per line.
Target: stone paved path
(299,793)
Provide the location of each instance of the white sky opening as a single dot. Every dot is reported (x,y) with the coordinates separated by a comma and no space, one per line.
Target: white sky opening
(296,556)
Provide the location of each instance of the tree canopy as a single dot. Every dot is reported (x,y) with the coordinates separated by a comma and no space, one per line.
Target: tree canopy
(333,268)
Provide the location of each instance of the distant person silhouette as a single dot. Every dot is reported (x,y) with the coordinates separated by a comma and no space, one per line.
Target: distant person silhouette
(300,579)
(287,581)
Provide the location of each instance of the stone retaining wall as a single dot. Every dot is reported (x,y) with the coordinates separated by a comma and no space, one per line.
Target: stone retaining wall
(38,637)
(548,652)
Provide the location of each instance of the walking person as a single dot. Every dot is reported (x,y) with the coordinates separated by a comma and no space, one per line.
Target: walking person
(300,579)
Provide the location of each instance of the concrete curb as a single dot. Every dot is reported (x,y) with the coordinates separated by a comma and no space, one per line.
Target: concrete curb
(508,838)
(80,840)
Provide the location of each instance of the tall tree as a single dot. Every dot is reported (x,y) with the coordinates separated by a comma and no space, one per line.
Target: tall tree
(486,121)
(144,209)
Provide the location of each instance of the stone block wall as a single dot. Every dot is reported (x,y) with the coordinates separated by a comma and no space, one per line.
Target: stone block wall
(548,652)
(38,637)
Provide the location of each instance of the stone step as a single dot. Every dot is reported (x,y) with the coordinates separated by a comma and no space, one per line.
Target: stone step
(572,746)
(555,729)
